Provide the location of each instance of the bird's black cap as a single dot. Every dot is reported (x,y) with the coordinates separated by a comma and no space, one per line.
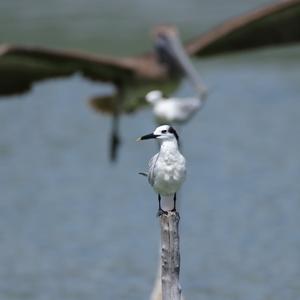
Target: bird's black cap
(172,130)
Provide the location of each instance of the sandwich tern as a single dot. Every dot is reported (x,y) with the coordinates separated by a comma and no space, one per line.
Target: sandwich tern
(167,168)
(173,110)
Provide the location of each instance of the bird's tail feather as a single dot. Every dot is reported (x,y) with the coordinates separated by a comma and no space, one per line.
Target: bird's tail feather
(143,174)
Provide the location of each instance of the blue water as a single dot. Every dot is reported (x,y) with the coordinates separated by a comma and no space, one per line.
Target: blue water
(73,226)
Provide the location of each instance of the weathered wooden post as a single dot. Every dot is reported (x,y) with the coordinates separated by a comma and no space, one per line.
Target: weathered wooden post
(170,256)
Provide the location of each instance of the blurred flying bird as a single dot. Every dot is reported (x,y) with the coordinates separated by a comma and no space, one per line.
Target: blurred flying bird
(162,68)
(274,24)
(168,62)
(167,168)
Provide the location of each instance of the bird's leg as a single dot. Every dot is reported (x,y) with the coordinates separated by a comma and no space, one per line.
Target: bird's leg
(160,211)
(115,139)
(174,209)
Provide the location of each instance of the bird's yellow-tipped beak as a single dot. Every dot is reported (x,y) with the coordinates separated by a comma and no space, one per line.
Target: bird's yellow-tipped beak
(138,139)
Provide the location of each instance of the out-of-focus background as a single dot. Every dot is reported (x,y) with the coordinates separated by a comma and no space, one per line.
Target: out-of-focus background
(74,226)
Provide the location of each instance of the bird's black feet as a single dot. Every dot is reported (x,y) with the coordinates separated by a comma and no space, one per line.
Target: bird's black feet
(174,208)
(161,212)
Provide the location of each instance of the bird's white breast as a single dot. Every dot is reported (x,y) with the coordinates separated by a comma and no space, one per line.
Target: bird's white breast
(169,172)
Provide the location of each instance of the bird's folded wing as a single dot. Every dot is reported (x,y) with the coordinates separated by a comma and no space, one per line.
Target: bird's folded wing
(189,105)
(152,163)
(20,66)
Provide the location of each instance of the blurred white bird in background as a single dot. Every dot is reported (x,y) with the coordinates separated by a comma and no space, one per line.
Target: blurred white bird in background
(173,110)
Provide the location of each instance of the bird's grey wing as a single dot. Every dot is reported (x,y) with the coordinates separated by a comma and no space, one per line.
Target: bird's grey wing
(190,105)
(152,163)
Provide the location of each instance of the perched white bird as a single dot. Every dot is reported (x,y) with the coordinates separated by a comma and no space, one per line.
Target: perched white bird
(173,110)
(166,168)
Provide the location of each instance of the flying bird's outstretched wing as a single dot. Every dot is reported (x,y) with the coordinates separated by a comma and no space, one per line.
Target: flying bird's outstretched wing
(20,66)
(271,25)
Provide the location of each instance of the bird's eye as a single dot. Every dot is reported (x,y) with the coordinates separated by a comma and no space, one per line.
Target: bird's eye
(164,131)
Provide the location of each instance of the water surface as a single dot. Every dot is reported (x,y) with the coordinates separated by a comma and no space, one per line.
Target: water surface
(73,226)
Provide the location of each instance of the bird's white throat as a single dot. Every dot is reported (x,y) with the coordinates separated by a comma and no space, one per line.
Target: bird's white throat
(168,144)
(168,147)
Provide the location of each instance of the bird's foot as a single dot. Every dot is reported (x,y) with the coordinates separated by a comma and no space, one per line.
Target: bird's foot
(161,212)
(174,210)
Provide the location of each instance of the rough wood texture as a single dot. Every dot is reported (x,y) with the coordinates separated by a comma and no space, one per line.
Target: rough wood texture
(170,256)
